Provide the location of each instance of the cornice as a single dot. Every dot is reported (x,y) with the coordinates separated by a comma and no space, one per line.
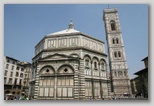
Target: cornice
(69,49)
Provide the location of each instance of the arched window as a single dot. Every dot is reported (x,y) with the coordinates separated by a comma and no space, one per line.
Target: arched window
(17,74)
(95,65)
(113,26)
(87,63)
(115,54)
(119,54)
(117,40)
(120,73)
(115,73)
(47,70)
(113,41)
(64,83)
(125,73)
(21,75)
(103,66)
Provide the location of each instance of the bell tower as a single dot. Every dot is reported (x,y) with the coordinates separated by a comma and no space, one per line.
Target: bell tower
(120,83)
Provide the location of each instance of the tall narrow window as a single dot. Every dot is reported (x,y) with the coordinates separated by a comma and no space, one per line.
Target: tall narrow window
(7,66)
(5,79)
(113,41)
(10,80)
(15,82)
(11,74)
(120,73)
(17,74)
(12,68)
(95,65)
(119,54)
(26,76)
(117,41)
(113,26)
(22,69)
(17,68)
(5,73)
(20,82)
(103,66)
(125,73)
(21,75)
(87,63)
(115,54)
(115,73)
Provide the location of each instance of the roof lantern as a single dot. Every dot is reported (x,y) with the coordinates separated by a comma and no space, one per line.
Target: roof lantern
(71,25)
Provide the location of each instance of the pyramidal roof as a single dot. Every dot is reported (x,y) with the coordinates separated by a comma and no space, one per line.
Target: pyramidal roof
(70,30)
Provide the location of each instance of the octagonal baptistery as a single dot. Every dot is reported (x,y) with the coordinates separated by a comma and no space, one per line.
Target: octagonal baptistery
(70,65)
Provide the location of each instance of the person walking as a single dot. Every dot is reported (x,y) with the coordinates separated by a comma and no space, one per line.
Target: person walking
(15,98)
(27,98)
(23,98)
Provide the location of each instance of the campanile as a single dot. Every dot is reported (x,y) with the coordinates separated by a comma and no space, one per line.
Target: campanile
(120,83)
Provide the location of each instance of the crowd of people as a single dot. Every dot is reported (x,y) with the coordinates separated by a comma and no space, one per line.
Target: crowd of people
(12,97)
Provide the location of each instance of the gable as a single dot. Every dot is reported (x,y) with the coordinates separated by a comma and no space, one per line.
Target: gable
(57,57)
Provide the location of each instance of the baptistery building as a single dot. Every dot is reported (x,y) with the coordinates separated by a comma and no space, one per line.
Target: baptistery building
(70,65)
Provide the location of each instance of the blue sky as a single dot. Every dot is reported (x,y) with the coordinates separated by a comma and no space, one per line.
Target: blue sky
(25,25)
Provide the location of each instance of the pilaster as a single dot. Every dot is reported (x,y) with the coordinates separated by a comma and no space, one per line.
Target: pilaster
(76,82)
(36,88)
(81,80)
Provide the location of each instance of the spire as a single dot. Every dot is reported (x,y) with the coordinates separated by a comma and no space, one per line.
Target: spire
(71,26)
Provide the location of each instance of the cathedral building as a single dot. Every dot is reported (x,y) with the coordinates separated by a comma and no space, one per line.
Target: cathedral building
(120,83)
(70,65)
